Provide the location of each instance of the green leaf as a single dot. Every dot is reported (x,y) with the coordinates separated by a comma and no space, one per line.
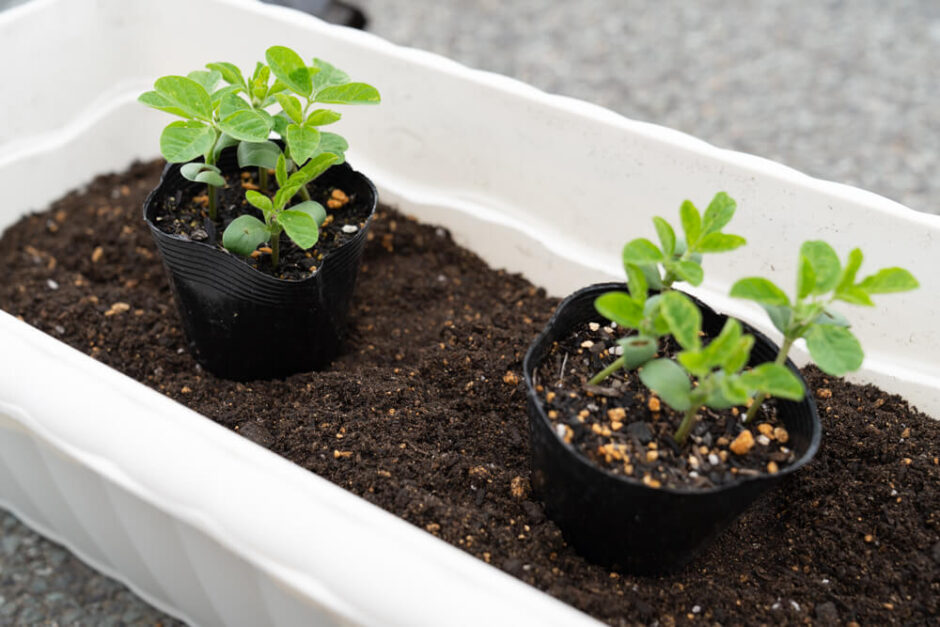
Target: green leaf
(217,96)
(184,141)
(620,308)
(687,270)
(333,144)
(300,226)
(691,223)
(834,349)
(637,350)
(805,278)
(259,200)
(636,283)
(231,104)
(245,234)
(696,362)
(855,295)
(210,178)
(191,170)
(825,263)
(302,142)
(186,95)
(720,211)
(780,315)
(653,279)
(291,106)
(667,236)
(733,390)
(350,94)
(247,125)
(738,358)
(322,117)
(327,75)
(721,348)
(889,280)
(641,251)
(830,316)
(760,290)
(774,379)
(258,155)
(280,170)
(261,73)
(208,80)
(280,123)
(224,141)
(286,192)
(230,74)
(314,209)
(847,279)
(669,381)
(684,319)
(155,100)
(719,243)
(313,168)
(289,68)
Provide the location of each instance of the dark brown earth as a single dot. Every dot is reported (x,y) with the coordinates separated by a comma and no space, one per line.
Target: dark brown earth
(627,430)
(424,416)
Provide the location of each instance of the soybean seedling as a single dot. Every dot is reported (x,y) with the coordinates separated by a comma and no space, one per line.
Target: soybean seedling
(649,266)
(716,369)
(821,280)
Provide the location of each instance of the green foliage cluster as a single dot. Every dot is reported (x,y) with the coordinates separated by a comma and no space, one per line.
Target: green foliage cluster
(221,107)
(715,375)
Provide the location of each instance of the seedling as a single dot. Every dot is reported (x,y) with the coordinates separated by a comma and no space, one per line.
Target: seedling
(821,280)
(715,369)
(649,266)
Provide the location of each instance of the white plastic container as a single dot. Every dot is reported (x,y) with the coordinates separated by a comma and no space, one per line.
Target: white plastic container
(211,528)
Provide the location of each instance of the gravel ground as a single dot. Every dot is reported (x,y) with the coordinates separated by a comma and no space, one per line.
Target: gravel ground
(845,91)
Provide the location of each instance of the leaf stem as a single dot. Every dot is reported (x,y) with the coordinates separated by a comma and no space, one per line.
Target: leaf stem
(685,427)
(263,179)
(759,398)
(275,248)
(606,372)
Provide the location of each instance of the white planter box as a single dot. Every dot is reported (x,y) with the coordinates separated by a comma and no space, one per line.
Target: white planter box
(209,527)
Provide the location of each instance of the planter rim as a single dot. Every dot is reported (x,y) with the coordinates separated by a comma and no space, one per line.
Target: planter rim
(528,368)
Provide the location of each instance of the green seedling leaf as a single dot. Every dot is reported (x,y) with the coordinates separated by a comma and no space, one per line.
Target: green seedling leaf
(259,200)
(334,144)
(696,362)
(667,379)
(719,243)
(210,178)
(847,279)
(186,95)
(217,96)
(834,349)
(322,117)
(738,357)
(312,208)
(349,94)
(637,350)
(774,379)
(691,223)
(636,283)
(718,214)
(652,312)
(640,252)
(653,279)
(327,75)
(313,168)
(760,290)
(733,390)
(286,193)
(191,170)
(684,319)
(300,226)
(889,280)
(208,80)
(258,155)
(825,263)
(155,100)
(245,234)
(720,349)
(805,278)
(247,126)
(230,74)
(855,295)
(280,170)
(280,123)
(830,316)
(302,142)
(667,236)
(620,308)
(224,141)
(291,106)
(289,68)
(184,141)
(689,271)
(780,315)
(231,104)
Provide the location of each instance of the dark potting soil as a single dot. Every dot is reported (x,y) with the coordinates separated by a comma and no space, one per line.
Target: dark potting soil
(622,427)
(424,416)
(187,214)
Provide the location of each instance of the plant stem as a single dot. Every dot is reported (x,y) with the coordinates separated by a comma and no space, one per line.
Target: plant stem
(212,202)
(263,179)
(304,193)
(759,399)
(688,421)
(275,249)
(606,372)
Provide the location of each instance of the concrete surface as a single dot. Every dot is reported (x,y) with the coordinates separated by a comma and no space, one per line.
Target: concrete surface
(846,91)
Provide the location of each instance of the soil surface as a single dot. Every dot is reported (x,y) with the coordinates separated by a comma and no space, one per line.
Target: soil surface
(424,416)
(622,427)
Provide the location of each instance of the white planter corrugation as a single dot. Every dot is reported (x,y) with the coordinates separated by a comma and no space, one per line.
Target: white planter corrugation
(216,530)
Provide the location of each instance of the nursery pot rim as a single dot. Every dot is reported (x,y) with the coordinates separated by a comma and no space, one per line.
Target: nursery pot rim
(528,367)
(219,249)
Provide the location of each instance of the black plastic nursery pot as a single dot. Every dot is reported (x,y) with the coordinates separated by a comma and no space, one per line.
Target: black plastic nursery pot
(617,521)
(242,324)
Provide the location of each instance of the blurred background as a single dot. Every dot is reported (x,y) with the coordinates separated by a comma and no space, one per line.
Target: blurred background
(841,90)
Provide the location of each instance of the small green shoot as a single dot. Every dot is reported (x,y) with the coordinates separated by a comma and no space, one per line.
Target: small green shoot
(821,281)
(649,266)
